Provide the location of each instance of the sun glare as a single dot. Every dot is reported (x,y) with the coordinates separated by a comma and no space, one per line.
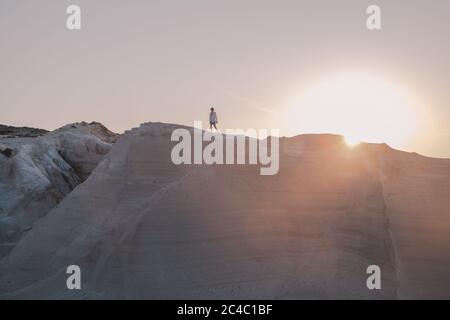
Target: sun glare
(351,141)
(361,108)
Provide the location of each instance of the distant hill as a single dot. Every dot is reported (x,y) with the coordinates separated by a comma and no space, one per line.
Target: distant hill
(19,132)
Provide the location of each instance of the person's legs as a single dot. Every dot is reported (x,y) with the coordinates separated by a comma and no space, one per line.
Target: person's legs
(214,124)
(210,126)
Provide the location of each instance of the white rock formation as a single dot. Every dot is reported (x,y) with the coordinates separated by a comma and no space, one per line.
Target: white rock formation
(82,145)
(39,172)
(141,227)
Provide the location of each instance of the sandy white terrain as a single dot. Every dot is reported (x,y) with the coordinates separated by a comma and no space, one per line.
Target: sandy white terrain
(141,227)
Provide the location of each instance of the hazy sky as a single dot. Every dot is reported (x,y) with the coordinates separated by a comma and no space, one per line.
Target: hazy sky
(136,61)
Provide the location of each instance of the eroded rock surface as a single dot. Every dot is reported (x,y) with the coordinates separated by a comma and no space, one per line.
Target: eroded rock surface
(141,227)
(36,173)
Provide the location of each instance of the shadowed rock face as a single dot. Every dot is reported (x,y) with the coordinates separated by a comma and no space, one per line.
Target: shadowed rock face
(36,173)
(141,227)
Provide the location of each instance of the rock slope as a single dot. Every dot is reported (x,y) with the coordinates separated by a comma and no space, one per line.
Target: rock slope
(141,227)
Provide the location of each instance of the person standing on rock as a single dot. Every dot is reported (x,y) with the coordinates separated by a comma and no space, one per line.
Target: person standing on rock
(213,120)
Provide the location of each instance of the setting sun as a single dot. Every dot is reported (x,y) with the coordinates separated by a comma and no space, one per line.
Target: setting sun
(351,141)
(361,108)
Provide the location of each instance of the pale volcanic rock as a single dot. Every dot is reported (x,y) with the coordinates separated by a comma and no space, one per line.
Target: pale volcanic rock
(37,172)
(142,227)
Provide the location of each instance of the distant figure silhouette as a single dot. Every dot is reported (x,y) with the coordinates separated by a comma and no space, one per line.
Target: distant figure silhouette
(213,120)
